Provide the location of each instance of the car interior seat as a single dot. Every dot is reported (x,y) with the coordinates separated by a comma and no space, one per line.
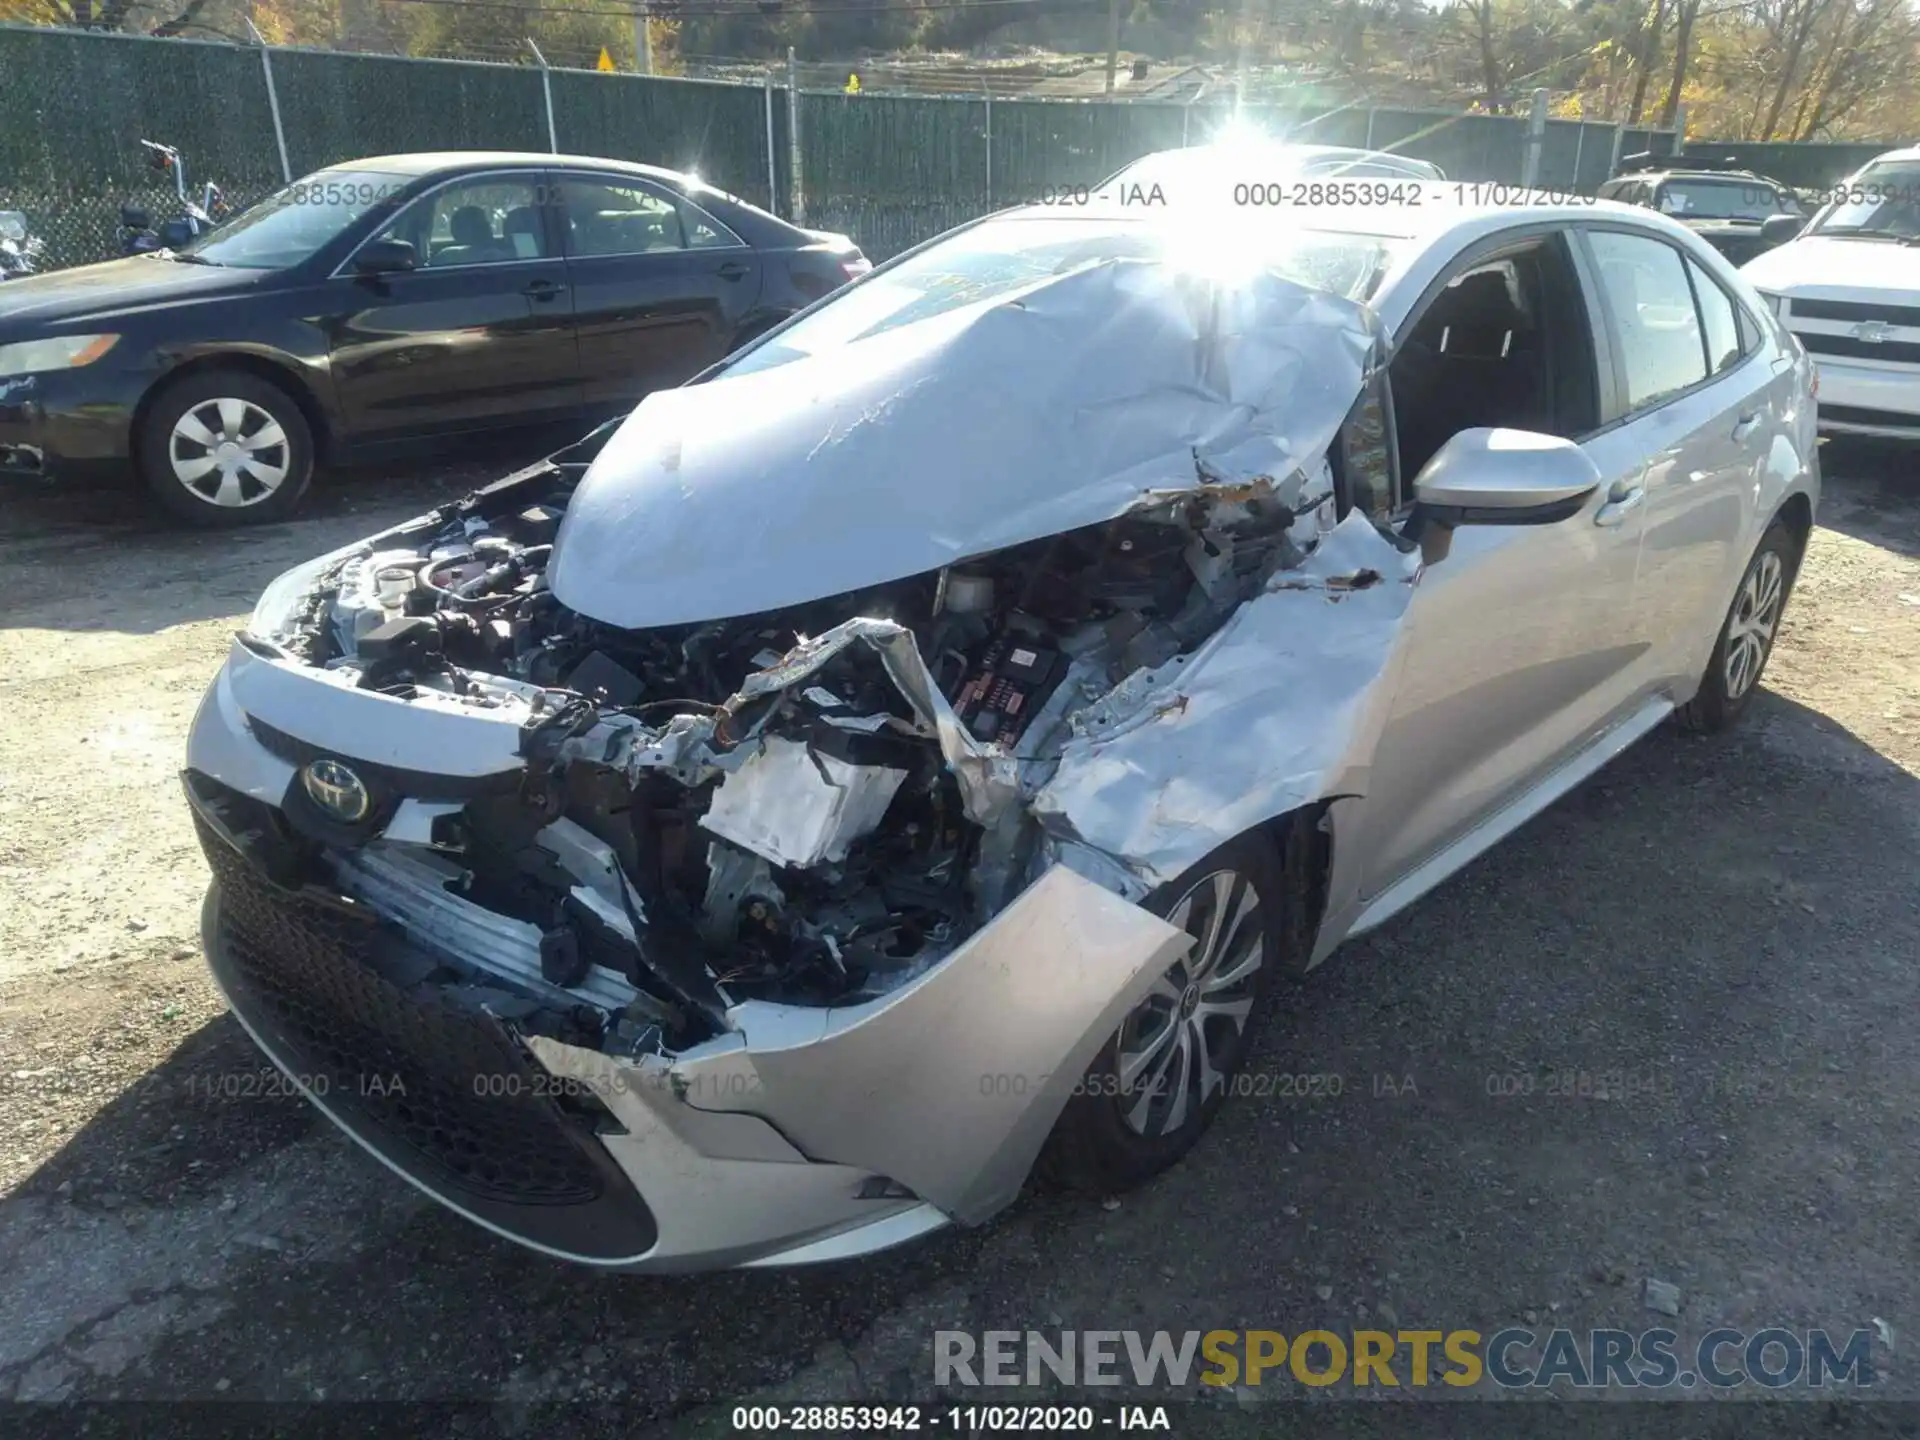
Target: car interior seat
(473,239)
(1473,359)
(521,232)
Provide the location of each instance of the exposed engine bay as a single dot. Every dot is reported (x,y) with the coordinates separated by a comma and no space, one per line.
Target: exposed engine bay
(809,805)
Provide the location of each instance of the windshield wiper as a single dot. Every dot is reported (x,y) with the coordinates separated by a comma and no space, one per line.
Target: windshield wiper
(189,259)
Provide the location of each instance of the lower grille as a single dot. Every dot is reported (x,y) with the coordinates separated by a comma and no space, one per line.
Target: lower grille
(445,1094)
(1899,351)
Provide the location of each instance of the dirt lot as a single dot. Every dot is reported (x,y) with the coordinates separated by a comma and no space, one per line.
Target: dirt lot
(1737,920)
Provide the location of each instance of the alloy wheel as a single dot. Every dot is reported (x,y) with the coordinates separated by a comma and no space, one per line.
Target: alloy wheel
(229,452)
(1168,1057)
(1750,628)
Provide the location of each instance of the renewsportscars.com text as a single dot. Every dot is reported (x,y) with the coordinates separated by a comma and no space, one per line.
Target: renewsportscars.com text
(1773,1358)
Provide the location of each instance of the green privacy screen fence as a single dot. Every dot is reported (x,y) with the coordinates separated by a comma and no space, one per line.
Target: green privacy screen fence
(889,170)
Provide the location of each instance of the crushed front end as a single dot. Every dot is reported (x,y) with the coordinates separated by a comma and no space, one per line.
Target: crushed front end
(767,938)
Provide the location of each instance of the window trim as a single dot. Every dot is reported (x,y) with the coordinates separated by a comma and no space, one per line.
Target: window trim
(1743,352)
(679,203)
(1622,415)
(344,270)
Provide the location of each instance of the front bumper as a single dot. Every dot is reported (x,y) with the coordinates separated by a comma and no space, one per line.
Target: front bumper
(1866,399)
(801,1134)
(60,421)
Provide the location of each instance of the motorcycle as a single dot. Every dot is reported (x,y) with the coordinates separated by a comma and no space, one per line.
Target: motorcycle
(19,251)
(138,235)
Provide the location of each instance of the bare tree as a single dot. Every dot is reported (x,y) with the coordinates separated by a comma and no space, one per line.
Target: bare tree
(1682,52)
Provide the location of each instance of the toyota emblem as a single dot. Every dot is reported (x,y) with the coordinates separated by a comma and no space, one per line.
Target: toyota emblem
(337,791)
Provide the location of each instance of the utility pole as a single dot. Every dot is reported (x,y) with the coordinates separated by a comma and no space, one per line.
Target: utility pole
(1113,43)
(643,37)
(799,201)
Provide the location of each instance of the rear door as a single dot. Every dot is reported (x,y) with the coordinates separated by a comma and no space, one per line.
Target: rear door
(660,286)
(480,334)
(1695,385)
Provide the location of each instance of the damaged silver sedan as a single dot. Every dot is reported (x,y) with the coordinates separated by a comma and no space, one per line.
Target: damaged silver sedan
(921,749)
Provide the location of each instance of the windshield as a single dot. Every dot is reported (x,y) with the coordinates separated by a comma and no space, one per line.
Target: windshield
(290,225)
(1882,200)
(1001,256)
(1723,200)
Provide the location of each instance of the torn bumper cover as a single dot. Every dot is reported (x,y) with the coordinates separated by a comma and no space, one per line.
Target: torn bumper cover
(725,847)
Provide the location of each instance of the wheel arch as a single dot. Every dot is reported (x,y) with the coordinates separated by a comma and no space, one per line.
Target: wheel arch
(1303,838)
(1796,513)
(274,372)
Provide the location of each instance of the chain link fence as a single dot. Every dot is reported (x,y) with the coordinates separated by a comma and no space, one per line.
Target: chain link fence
(889,170)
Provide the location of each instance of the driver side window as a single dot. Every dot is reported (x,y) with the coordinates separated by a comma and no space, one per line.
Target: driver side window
(484,221)
(1505,342)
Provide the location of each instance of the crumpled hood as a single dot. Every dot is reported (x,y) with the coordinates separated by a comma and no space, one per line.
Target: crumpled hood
(1059,406)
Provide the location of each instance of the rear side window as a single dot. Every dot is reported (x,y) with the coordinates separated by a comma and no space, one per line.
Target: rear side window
(1644,282)
(1718,326)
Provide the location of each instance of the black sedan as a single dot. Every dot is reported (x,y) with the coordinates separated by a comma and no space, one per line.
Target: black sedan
(373,307)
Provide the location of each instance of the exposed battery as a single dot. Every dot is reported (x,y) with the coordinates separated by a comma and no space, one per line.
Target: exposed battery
(1012,681)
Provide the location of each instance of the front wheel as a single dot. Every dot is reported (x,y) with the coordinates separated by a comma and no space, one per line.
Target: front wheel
(1161,1077)
(224,448)
(1746,636)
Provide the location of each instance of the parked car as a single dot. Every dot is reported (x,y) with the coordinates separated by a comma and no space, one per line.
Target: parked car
(1244,172)
(1848,286)
(1727,206)
(925,745)
(380,306)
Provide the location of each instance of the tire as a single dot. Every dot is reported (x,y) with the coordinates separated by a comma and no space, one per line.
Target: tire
(1744,645)
(262,478)
(1095,1146)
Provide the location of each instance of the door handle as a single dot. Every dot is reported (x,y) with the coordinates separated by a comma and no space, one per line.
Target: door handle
(542,289)
(1743,427)
(732,270)
(1620,504)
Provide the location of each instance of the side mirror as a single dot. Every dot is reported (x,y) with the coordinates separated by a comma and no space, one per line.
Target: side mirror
(1504,477)
(384,257)
(1778,229)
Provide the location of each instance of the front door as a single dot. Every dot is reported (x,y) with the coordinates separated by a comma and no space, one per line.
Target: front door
(1521,643)
(660,287)
(479,334)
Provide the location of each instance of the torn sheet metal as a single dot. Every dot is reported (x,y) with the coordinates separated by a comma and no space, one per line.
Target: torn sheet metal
(1066,404)
(1271,713)
(951,1083)
(793,805)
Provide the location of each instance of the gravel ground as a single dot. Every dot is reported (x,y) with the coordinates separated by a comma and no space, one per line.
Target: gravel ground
(1734,921)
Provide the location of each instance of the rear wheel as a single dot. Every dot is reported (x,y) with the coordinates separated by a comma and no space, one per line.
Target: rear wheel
(1161,1077)
(224,448)
(1746,636)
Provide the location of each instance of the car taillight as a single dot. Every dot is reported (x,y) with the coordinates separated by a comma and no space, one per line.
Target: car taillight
(856,267)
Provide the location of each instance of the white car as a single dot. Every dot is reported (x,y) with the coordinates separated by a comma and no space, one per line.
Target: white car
(1848,286)
(926,744)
